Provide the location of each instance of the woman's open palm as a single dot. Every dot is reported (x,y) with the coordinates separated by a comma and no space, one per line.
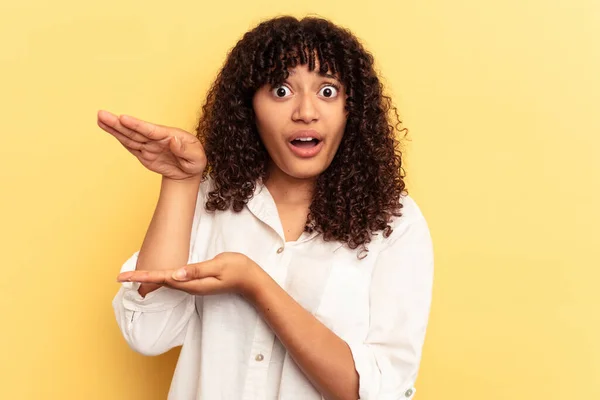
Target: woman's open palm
(171,152)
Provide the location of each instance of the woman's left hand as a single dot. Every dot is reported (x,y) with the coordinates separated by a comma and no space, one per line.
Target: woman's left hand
(225,273)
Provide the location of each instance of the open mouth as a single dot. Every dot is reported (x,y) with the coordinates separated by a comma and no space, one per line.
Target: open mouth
(306,147)
(305,143)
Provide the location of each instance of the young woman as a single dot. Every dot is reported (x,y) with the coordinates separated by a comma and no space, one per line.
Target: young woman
(285,254)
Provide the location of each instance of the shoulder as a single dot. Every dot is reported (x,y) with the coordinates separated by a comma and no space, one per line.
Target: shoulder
(206,186)
(411,213)
(410,209)
(411,225)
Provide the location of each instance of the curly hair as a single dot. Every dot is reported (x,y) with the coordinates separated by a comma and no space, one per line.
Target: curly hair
(359,193)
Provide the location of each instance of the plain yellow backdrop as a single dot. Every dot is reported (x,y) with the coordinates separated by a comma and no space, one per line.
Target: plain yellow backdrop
(502,103)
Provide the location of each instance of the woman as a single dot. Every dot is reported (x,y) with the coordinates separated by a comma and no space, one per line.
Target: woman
(285,254)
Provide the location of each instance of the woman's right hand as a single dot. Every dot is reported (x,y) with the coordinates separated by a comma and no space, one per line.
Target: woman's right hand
(171,152)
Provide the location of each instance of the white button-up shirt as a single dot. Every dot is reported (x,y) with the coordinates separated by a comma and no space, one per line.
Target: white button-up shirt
(379,305)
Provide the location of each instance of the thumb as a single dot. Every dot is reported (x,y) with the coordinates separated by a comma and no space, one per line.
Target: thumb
(177,146)
(181,275)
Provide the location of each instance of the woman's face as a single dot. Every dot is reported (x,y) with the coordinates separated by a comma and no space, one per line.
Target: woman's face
(301,122)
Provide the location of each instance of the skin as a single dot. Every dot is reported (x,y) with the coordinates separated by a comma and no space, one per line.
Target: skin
(179,157)
(310,101)
(324,358)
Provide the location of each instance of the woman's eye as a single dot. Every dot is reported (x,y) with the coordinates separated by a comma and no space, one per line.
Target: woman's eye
(281,91)
(329,91)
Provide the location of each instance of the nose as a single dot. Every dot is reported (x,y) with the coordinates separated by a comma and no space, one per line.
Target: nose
(306,110)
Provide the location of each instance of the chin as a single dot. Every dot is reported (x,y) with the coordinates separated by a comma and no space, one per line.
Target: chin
(305,170)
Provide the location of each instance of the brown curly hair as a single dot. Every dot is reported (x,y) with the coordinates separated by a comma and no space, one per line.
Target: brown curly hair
(359,193)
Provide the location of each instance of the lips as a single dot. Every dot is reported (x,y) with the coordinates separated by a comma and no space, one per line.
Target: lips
(306,144)
(305,134)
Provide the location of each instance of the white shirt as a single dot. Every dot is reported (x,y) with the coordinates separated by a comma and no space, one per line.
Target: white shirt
(379,305)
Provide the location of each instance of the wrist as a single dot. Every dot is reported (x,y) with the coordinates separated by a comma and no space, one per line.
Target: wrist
(192,180)
(181,193)
(256,282)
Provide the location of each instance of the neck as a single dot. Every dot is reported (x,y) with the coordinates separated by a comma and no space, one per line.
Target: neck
(289,190)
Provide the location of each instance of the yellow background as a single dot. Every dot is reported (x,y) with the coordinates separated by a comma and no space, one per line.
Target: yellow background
(501,99)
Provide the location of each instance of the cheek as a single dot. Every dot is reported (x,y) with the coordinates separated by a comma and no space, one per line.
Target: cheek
(268,133)
(271,123)
(265,127)
(341,128)
(262,123)
(261,112)
(266,117)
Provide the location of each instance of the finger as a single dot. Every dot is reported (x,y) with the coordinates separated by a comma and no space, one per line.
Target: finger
(209,285)
(130,145)
(161,277)
(156,146)
(205,269)
(149,130)
(177,147)
(186,152)
(125,141)
(134,147)
(113,121)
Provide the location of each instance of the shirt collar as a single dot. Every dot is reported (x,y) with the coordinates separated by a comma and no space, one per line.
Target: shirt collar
(263,206)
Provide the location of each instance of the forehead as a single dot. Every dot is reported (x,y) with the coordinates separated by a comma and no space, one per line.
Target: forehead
(303,69)
(288,62)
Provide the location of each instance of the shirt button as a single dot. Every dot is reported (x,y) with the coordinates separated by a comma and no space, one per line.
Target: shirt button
(279,250)
(408,393)
(259,357)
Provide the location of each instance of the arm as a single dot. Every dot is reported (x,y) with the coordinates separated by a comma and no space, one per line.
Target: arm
(323,356)
(167,241)
(384,365)
(152,317)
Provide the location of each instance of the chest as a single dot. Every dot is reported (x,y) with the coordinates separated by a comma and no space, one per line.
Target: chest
(326,278)
(293,220)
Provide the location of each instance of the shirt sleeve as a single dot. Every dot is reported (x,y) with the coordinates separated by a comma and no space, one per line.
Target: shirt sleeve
(156,323)
(387,361)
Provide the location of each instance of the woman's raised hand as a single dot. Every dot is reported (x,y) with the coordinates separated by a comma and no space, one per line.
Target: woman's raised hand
(171,152)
